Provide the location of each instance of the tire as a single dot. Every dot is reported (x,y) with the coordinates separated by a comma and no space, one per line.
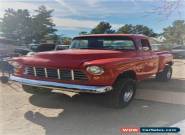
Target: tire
(35,90)
(123,93)
(4,79)
(165,75)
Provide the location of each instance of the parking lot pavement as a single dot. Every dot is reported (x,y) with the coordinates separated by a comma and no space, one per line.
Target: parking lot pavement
(181,125)
(56,113)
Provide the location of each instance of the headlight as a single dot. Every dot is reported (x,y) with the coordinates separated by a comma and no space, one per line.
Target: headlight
(15,64)
(30,54)
(17,67)
(96,70)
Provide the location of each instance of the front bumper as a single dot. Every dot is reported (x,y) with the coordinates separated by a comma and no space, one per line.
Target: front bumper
(62,86)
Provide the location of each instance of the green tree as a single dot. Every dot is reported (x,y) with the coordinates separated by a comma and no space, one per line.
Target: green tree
(66,40)
(101,28)
(141,29)
(19,26)
(42,24)
(16,25)
(137,29)
(127,29)
(175,34)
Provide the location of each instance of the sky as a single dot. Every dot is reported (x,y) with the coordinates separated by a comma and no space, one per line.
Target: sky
(74,16)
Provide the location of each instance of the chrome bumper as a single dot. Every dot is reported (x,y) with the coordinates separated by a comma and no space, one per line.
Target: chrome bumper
(62,86)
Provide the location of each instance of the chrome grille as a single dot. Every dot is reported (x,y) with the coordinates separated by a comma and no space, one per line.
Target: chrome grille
(40,72)
(52,73)
(29,71)
(61,74)
(79,75)
(65,74)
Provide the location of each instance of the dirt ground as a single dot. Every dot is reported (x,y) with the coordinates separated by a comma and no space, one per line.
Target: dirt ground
(60,114)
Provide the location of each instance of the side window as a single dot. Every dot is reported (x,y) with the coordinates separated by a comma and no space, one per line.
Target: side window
(145,45)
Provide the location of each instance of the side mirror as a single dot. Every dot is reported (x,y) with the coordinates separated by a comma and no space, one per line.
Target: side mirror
(146,48)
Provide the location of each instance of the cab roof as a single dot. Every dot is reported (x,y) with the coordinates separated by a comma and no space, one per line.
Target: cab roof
(134,36)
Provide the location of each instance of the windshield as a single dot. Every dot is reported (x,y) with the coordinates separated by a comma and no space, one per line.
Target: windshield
(108,43)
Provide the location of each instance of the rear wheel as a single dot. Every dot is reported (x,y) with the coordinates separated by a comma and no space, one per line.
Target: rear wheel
(35,90)
(165,75)
(123,92)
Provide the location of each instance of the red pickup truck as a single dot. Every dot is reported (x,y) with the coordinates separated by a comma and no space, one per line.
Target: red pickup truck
(100,63)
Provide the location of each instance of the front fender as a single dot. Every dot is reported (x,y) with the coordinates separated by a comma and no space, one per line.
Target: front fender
(113,67)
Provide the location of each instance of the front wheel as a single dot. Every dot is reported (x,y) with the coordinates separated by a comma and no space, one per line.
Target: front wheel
(35,90)
(4,79)
(165,75)
(123,92)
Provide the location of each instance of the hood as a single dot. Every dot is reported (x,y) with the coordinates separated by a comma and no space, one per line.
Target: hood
(70,57)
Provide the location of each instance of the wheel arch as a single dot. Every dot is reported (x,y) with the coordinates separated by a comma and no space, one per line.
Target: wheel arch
(128,74)
(170,63)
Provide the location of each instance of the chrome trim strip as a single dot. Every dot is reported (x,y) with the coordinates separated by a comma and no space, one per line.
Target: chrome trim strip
(45,72)
(72,75)
(58,73)
(34,71)
(25,71)
(62,86)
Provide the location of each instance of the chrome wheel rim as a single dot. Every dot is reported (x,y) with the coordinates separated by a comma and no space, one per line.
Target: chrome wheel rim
(127,95)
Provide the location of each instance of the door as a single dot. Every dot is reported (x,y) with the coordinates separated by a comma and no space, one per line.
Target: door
(149,58)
